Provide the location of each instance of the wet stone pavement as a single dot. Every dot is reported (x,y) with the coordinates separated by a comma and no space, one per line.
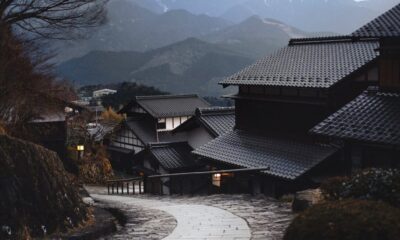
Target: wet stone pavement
(198,217)
(141,223)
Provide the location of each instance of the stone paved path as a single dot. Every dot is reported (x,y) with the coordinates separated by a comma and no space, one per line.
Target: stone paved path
(142,223)
(211,217)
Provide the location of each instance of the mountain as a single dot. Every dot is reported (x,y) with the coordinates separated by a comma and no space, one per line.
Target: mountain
(134,28)
(187,66)
(342,16)
(255,37)
(209,7)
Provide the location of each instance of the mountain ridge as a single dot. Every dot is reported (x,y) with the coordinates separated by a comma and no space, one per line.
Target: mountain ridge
(191,65)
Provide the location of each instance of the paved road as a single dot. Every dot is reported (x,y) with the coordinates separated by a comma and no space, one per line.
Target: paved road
(201,217)
(193,221)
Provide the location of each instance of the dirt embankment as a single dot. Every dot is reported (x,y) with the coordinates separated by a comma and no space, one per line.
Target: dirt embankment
(38,197)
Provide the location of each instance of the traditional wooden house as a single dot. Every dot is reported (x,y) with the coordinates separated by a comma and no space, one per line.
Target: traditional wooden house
(207,124)
(280,98)
(168,158)
(368,127)
(151,119)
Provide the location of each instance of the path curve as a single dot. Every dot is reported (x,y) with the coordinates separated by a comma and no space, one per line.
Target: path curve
(193,221)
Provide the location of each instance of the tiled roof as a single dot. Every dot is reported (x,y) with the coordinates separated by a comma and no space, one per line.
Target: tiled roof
(314,62)
(371,117)
(171,105)
(173,156)
(119,149)
(218,120)
(286,159)
(386,25)
(146,132)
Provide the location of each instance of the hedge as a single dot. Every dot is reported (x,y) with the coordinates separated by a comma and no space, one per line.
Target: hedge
(346,220)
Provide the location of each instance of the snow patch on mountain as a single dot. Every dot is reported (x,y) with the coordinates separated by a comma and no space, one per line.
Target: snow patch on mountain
(162,5)
(286,28)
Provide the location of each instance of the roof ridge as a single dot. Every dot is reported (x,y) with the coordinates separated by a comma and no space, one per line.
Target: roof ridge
(376,91)
(329,39)
(208,110)
(164,144)
(166,96)
(385,25)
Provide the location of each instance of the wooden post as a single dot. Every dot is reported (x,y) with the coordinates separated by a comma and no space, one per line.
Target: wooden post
(122,188)
(181,186)
(140,187)
(112,188)
(144,179)
(108,188)
(117,187)
(191,186)
(127,188)
(133,187)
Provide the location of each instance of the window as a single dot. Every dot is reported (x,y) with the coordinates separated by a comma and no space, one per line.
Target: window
(216,179)
(161,124)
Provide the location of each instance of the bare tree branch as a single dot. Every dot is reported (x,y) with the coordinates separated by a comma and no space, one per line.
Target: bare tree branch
(54,19)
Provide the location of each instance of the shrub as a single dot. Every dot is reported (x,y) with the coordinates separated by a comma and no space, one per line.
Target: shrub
(94,166)
(111,115)
(371,184)
(346,220)
(331,189)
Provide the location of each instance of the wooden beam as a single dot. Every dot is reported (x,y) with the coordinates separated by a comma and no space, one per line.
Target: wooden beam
(241,170)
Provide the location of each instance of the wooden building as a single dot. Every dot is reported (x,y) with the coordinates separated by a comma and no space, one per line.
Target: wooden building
(169,158)
(368,127)
(150,119)
(207,124)
(280,98)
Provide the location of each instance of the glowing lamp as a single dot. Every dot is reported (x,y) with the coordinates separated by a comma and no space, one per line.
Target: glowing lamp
(80,148)
(217,175)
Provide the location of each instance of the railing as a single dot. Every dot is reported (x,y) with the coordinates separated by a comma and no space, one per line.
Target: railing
(142,182)
(119,185)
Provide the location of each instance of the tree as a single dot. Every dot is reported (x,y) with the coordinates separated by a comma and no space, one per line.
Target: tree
(56,19)
(126,91)
(27,86)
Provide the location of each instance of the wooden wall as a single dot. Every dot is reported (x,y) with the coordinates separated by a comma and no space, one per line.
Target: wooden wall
(291,118)
(389,65)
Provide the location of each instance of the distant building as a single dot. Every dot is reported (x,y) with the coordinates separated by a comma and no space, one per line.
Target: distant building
(103,92)
(151,119)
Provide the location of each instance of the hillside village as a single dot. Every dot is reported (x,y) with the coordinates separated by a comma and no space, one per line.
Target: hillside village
(307,146)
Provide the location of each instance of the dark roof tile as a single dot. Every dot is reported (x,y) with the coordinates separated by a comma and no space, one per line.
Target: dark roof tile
(146,132)
(371,117)
(218,119)
(328,62)
(171,105)
(287,159)
(173,156)
(386,25)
